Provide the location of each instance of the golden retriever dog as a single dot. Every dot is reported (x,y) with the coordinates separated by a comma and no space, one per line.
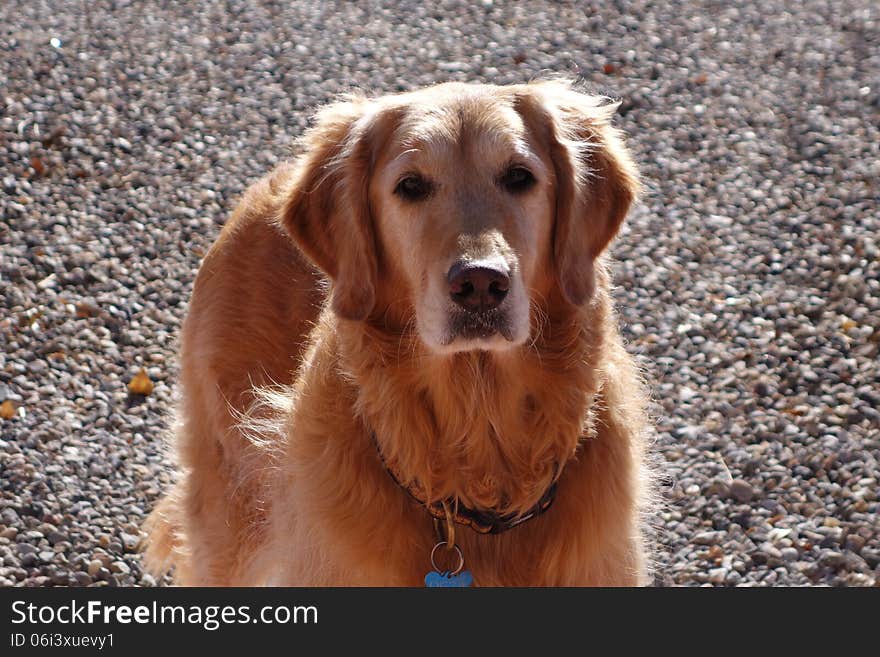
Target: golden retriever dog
(404,341)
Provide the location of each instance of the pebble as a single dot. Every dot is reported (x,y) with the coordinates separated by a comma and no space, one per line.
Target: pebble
(120,567)
(741,491)
(831,559)
(130,542)
(871,557)
(855,542)
(733,578)
(789,554)
(718,575)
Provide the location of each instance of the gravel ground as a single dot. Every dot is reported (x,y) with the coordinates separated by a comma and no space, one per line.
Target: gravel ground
(748,277)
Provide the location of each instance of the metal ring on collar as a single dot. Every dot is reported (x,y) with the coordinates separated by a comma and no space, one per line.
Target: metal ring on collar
(460,558)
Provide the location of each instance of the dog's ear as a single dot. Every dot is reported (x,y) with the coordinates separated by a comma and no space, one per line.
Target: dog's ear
(327,210)
(596,179)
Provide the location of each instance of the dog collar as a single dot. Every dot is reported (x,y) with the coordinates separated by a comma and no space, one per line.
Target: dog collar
(482,521)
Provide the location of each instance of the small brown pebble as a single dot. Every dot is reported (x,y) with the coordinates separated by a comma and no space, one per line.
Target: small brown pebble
(741,490)
(7,410)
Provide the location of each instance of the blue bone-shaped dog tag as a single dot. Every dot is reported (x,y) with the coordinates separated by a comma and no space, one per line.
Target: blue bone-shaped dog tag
(448,580)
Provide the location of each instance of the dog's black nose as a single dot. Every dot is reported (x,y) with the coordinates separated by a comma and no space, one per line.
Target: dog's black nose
(477,287)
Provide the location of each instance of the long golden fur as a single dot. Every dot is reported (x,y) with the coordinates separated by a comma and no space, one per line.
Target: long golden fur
(285,484)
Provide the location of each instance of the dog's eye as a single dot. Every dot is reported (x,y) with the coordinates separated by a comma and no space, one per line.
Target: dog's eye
(413,188)
(517,179)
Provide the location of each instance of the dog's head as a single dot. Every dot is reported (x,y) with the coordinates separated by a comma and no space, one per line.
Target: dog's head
(461,206)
